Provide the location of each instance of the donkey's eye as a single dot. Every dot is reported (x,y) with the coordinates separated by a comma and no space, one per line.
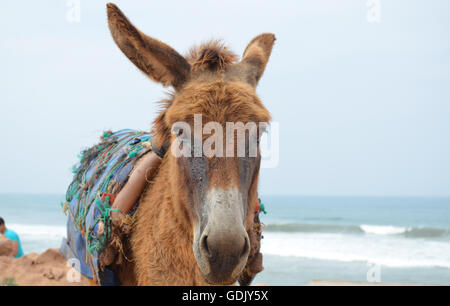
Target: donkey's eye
(178,131)
(260,135)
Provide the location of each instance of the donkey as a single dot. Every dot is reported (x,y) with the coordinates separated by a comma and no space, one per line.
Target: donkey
(196,218)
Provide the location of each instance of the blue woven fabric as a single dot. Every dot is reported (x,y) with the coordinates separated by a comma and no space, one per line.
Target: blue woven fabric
(102,172)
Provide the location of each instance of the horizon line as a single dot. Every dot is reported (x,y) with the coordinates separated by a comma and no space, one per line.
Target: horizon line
(265,194)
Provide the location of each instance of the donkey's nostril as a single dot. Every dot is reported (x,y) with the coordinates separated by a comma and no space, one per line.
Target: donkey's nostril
(246,247)
(204,246)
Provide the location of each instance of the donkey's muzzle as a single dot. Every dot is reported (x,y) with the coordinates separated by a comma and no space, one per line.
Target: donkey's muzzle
(223,246)
(225,256)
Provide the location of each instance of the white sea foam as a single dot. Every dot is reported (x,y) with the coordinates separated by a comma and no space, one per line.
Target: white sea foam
(39,231)
(383,229)
(391,251)
(38,238)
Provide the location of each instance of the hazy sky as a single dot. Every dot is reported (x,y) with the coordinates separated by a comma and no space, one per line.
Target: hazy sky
(363,108)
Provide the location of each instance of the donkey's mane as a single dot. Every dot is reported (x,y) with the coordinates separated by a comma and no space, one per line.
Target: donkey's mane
(212,55)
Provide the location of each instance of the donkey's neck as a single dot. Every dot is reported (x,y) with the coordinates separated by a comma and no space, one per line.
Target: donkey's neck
(162,236)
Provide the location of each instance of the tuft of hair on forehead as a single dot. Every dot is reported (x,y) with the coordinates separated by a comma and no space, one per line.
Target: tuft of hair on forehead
(212,55)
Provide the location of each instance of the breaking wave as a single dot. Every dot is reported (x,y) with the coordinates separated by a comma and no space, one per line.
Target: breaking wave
(386,250)
(408,232)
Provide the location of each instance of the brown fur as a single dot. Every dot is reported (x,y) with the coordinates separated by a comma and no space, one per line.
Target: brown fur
(210,82)
(157,60)
(212,55)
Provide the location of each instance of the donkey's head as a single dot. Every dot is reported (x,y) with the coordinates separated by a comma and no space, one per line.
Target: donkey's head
(213,175)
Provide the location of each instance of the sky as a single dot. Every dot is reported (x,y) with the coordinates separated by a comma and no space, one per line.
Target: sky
(363,107)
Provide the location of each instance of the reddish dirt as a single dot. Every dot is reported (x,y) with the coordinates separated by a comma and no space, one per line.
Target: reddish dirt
(47,269)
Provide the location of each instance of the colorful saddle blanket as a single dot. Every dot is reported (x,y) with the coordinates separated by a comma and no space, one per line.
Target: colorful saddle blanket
(101,173)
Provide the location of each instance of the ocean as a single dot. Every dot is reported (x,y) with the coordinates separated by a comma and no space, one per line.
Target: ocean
(376,239)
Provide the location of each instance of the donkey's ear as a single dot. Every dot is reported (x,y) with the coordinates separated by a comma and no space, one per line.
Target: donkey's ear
(156,59)
(256,56)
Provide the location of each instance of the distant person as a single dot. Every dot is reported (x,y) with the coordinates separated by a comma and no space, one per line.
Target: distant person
(11,235)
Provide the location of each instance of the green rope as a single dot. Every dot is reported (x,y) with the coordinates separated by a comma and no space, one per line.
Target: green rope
(263,209)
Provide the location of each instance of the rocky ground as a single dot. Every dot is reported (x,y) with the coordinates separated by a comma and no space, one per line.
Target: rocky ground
(47,269)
